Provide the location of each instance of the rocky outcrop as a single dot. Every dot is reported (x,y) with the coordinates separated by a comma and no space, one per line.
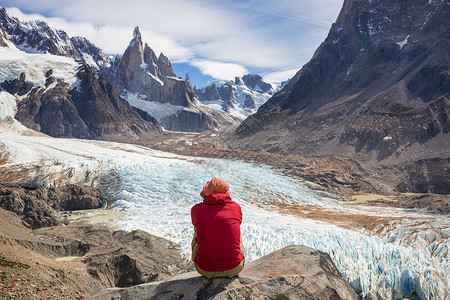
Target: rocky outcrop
(39,207)
(295,272)
(17,86)
(79,259)
(153,79)
(119,258)
(255,82)
(377,90)
(3,38)
(52,112)
(90,110)
(106,114)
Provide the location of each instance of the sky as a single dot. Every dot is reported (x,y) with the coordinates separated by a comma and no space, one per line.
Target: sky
(209,39)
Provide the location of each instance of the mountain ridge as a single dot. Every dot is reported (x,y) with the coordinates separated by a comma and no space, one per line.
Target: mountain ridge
(377,90)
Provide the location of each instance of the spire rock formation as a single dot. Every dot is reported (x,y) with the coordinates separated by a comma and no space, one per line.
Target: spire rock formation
(139,71)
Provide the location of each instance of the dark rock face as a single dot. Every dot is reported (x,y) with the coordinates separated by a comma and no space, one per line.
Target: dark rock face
(3,38)
(38,207)
(376,87)
(427,175)
(199,119)
(17,86)
(255,81)
(92,110)
(52,112)
(295,272)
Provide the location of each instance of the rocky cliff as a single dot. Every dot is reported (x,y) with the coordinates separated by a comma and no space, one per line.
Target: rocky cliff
(295,272)
(377,90)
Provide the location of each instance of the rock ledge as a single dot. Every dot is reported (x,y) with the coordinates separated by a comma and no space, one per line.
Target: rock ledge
(294,272)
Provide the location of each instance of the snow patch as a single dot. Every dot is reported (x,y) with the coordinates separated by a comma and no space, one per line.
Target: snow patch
(174,78)
(404,42)
(8,105)
(155,78)
(157,110)
(8,109)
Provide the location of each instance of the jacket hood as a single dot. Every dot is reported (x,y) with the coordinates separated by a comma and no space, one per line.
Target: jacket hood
(219,199)
(216,186)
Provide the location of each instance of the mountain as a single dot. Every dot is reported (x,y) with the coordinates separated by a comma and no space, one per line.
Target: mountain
(140,71)
(58,90)
(240,97)
(91,109)
(376,90)
(150,83)
(38,37)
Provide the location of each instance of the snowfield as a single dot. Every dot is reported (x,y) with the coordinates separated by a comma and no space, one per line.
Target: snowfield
(408,258)
(14,61)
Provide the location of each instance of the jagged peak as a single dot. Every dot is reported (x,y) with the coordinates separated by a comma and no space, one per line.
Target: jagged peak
(137,37)
(137,34)
(163,59)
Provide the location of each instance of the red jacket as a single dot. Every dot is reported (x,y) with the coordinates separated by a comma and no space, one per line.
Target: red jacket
(217,223)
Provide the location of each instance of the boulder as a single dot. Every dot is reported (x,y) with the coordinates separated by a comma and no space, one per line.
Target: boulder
(295,272)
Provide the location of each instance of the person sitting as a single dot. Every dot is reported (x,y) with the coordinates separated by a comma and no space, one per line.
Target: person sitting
(217,249)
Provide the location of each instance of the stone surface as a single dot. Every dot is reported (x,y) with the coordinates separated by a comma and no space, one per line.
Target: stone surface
(295,272)
(80,258)
(39,207)
(197,118)
(119,258)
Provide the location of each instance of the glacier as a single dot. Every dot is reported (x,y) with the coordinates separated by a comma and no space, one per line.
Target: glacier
(13,61)
(408,257)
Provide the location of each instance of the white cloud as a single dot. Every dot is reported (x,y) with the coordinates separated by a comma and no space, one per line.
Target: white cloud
(220,70)
(278,77)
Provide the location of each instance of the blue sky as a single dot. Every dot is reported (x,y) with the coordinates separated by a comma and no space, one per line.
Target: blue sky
(209,39)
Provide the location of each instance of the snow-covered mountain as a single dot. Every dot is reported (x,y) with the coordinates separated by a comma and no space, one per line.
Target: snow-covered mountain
(240,97)
(56,85)
(38,37)
(147,81)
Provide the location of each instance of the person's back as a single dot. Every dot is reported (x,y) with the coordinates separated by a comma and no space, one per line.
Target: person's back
(217,246)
